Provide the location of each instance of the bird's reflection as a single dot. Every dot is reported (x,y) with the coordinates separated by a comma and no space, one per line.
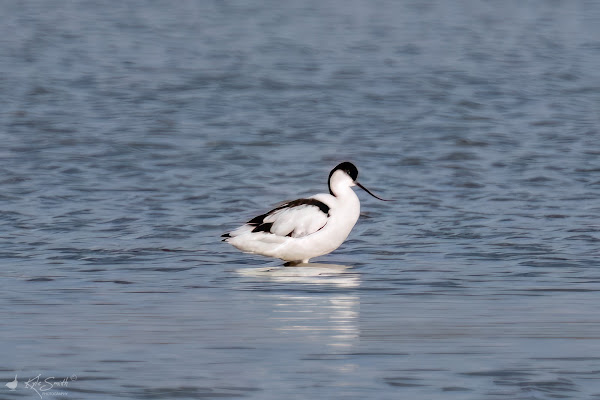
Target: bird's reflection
(329,317)
(310,273)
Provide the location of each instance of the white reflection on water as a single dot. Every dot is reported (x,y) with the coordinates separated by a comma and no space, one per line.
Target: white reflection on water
(331,319)
(324,317)
(313,273)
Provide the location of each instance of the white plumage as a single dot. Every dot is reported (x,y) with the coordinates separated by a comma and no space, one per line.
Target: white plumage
(299,230)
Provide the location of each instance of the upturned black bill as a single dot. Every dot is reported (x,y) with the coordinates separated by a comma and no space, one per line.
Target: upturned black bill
(367,190)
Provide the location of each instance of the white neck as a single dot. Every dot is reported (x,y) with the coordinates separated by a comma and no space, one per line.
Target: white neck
(340,182)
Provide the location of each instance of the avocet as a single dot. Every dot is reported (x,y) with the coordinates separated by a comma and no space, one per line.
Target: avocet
(299,230)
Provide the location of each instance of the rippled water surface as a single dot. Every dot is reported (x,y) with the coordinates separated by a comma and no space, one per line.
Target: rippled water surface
(133,134)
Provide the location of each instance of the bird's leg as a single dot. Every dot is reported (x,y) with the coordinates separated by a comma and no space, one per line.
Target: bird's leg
(292,263)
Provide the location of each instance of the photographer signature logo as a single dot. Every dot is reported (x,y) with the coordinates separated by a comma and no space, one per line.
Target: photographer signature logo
(49,386)
(12,385)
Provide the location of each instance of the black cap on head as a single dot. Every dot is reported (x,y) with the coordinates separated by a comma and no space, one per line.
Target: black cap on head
(348,168)
(352,171)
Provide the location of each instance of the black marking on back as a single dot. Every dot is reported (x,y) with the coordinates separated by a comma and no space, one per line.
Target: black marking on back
(266,227)
(306,202)
(261,226)
(348,168)
(259,219)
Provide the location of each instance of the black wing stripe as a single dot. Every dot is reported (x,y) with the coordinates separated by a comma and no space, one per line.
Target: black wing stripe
(307,202)
(261,226)
(300,202)
(266,227)
(259,219)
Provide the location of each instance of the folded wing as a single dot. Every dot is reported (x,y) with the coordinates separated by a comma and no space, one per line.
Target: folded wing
(295,219)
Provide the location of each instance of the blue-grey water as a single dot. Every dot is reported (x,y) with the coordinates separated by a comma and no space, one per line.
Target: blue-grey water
(132,134)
